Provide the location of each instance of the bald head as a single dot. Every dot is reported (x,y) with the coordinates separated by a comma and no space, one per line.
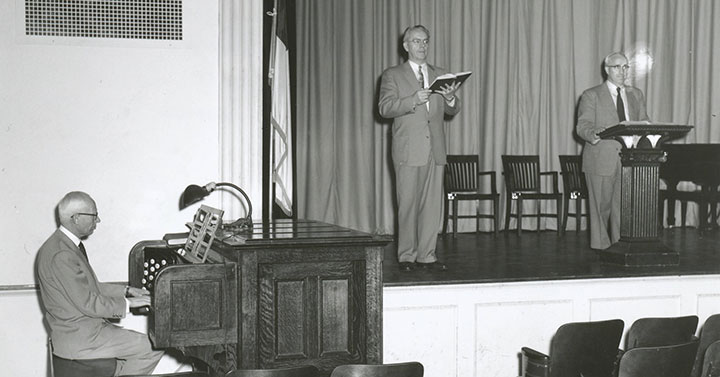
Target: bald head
(78,213)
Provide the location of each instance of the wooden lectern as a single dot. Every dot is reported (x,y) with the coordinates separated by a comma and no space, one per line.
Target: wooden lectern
(641,157)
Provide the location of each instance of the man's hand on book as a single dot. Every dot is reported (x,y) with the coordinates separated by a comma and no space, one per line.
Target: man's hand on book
(448,91)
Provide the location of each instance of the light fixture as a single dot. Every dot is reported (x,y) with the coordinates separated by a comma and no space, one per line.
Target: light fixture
(195,193)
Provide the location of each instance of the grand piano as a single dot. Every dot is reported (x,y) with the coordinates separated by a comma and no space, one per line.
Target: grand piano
(285,293)
(697,163)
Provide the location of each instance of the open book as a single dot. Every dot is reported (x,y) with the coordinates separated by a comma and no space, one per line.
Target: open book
(448,79)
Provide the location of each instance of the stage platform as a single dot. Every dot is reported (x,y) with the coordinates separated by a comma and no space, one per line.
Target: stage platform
(484,258)
(507,292)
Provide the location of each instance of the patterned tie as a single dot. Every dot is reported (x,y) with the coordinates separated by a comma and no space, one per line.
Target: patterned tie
(84,253)
(620,106)
(421,77)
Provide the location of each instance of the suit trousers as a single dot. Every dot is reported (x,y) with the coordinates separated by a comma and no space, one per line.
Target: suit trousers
(132,349)
(604,203)
(419,196)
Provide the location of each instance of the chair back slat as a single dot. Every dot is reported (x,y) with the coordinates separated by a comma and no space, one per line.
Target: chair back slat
(522,173)
(572,174)
(461,173)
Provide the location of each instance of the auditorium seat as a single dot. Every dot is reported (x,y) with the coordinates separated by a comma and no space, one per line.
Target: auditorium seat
(709,334)
(179,374)
(578,348)
(711,361)
(523,181)
(662,331)
(294,371)
(662,361)
(574,188)
(463,183)
(409,369)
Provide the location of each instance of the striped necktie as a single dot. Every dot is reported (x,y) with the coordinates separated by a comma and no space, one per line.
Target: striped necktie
(421,77)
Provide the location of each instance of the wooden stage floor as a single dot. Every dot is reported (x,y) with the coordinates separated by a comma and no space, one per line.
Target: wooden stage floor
(483,258)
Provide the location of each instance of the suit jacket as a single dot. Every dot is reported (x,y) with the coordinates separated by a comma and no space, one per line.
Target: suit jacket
(416,131)
(75,303)
(597,112)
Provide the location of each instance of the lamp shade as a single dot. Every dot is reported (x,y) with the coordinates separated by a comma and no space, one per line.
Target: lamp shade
(192,195)
(195,193)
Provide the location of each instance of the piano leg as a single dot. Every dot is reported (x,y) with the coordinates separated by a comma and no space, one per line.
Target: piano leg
(671,209)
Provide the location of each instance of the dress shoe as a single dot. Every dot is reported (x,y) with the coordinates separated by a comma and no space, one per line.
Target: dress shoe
(434,266)
(407,266)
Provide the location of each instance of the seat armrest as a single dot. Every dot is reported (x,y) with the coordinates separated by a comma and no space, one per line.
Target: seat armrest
(616,364)
(554,176)
(534,363)
(533,354)
(493,179)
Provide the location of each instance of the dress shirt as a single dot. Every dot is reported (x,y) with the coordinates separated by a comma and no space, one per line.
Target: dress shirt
(613,93)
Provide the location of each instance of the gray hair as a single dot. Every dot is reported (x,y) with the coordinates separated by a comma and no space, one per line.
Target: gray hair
(416,27)
(72,203)
(614,55)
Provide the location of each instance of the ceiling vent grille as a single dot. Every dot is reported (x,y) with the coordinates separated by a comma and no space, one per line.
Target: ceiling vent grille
(127,19)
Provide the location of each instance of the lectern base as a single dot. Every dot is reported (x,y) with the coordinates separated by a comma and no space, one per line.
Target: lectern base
(638,254)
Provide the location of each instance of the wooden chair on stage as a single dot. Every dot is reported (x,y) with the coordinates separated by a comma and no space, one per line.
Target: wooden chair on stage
(709,334)
(661,361)
(409,369)
(462,182)
(663,331)
(523,182)
(574,188)
(579,348)
(295,371)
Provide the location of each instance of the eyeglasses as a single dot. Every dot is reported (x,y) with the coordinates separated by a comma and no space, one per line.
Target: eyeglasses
(624,67)
(94,215)
(420,41)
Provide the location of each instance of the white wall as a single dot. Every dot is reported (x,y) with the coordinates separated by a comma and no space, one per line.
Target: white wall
(130,122)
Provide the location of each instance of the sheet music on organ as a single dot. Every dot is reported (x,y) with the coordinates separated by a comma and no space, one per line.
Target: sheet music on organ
(202,233)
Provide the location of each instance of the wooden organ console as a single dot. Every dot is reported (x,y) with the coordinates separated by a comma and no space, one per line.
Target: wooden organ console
(285,293)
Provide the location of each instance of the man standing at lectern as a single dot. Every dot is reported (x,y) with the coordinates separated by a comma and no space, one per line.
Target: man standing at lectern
(601,107)
(76,305)
(418,148)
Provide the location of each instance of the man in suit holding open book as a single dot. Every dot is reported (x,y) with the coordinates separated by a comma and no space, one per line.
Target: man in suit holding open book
(601,107)
(418,148)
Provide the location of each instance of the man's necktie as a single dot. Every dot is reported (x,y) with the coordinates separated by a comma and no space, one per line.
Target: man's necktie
(421,77)
(84,253)
(620,106)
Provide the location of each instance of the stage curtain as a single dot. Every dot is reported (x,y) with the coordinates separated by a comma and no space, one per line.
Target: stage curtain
(531,61)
